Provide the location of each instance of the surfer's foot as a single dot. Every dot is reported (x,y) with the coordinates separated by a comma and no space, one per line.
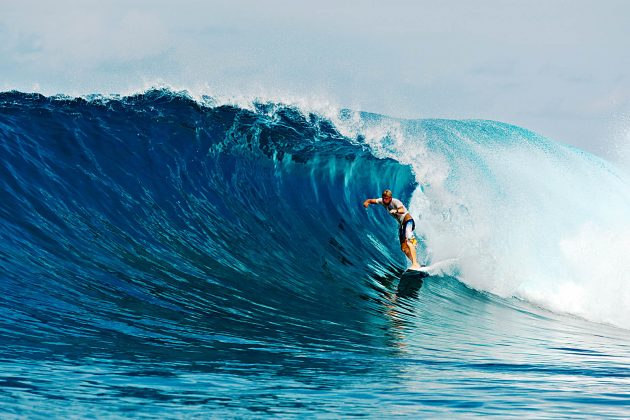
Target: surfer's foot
(415,267)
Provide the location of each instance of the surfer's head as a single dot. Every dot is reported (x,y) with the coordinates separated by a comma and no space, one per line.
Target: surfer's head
(387,196)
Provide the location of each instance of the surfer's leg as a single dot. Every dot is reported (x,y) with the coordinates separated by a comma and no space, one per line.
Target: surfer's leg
(403,242)
(411,246)
(408,243)
(405,248)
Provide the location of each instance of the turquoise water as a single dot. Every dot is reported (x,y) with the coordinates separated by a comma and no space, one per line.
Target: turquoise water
(162,257)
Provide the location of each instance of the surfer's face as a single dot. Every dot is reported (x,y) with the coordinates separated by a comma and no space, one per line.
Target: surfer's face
(386,199)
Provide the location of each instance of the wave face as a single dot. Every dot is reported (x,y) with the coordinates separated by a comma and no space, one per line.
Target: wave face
(216,259)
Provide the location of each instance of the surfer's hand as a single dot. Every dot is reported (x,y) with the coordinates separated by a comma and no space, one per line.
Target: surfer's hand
(394,211)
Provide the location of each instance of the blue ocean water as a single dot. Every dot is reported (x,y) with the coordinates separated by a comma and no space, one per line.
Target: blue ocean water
(166,256)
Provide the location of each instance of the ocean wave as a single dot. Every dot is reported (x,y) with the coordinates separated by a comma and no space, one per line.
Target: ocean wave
(114,208)
(154,218)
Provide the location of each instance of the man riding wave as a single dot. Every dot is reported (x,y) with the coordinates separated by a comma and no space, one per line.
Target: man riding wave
(406,224)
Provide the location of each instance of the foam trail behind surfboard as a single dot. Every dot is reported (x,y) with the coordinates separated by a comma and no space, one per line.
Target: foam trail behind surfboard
(443,268)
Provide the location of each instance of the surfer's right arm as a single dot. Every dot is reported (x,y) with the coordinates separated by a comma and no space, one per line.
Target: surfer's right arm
(369,201)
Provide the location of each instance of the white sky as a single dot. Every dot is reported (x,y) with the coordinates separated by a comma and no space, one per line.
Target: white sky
(560,68)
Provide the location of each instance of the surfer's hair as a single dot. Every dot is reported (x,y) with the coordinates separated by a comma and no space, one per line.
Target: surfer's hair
(387,193)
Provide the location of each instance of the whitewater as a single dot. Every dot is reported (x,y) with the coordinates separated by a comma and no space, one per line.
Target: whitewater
(168,255)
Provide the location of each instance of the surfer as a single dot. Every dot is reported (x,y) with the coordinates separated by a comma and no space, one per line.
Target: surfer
(398,211)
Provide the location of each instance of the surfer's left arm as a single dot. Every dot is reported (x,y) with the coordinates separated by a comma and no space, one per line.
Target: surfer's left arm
(369,201)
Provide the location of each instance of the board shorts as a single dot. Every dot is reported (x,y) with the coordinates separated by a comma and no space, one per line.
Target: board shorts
(405,231)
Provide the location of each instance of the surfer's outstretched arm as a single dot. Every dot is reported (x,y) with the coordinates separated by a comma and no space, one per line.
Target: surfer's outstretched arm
(369,201)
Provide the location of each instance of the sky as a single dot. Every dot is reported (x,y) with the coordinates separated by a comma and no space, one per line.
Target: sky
(559,68)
